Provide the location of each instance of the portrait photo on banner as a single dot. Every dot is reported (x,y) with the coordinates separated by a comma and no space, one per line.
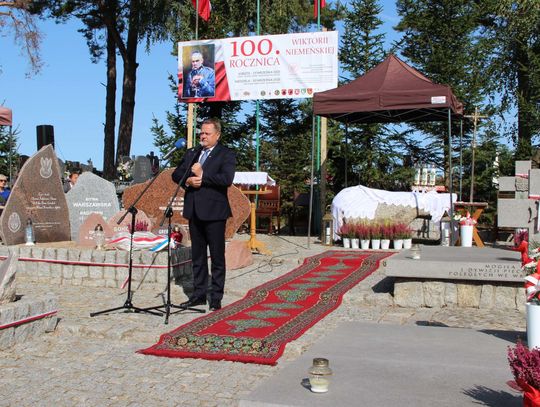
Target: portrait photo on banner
(198,71)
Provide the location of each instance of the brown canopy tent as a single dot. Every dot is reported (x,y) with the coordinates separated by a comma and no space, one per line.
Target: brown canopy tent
(6,119)
(392,92)
(5,116)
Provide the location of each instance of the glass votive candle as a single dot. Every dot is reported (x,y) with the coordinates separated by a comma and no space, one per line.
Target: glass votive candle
(415,251)
(319,375)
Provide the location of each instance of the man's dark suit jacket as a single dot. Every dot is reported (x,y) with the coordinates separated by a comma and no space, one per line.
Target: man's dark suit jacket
(210,201)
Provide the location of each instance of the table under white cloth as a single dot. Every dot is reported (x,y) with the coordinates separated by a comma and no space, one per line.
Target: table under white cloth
(361,202)
(253,178)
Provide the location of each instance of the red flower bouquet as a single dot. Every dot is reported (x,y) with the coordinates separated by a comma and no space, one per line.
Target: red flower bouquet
(525,366)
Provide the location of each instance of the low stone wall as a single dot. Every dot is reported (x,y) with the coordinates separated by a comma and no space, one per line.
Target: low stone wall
(94,268)
(415,292)
(27,309)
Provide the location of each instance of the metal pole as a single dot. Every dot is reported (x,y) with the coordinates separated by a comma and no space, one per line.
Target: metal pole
(450,187)
(10,152)
(311,182)
(461,160)
(346,150)
(473,153)
(257,107)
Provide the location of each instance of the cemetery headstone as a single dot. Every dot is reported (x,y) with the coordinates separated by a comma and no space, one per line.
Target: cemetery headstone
(142,169)
(142,222)
(517,205)
(87,229)
(157,197)
(91,194)
(37,195)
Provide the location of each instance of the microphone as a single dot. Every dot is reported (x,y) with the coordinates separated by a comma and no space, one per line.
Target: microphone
(180,143)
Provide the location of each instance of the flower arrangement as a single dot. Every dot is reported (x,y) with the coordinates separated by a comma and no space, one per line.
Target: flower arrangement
(465,220)
(363,230)
(521,235)
(124,170)
(525,366)
(402,231)
(375,231)
(344,230)
(140,226)
(387,230)
(532,287)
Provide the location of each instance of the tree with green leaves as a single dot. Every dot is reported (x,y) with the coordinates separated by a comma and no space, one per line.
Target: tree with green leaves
(116,26)
(513,31)
(368,154)
(8,147)
(441,39)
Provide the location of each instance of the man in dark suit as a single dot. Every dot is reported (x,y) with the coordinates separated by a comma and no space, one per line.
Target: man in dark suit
(205,174)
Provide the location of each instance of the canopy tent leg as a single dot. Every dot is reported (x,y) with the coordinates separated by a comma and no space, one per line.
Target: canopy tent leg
(311,179)
(451,180)
(346,152)
(460,160)
(10,154)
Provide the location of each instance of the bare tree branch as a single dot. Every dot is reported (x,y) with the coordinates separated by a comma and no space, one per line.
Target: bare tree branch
(18,20)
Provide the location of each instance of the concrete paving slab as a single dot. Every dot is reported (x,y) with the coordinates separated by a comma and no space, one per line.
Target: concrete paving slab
(391,365)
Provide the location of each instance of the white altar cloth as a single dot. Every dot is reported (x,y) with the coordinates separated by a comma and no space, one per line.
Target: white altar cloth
(361,202)
(253,178)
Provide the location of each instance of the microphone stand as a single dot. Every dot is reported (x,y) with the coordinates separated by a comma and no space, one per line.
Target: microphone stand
(168,213)
(128,305)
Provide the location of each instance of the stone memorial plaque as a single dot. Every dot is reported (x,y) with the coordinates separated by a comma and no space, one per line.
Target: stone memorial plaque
(157,197)
(86,230)
(37,195)
(91,194)
(142,169)
(141,219)
(457,263)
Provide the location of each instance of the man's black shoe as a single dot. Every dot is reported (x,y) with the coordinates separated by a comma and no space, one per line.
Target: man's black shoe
(193,303)
(215,305)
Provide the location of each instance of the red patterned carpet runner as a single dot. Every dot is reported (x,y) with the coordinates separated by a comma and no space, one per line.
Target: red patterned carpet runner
(256,328)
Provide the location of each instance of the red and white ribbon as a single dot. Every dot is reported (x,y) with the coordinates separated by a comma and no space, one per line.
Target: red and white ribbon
(28,319)
(532,286)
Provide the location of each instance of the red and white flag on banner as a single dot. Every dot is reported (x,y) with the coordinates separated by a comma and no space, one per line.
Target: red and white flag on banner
(204,8)
(315,8)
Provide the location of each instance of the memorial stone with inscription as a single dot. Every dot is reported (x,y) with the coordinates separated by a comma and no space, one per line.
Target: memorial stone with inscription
(157,197)
(142,169)
(91,194)
(37,195)
(142,222)
(87,230)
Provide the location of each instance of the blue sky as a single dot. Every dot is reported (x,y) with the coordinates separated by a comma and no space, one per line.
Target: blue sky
(69,93)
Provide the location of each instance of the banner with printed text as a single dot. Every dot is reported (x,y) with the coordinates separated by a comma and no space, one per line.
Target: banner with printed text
(258,67)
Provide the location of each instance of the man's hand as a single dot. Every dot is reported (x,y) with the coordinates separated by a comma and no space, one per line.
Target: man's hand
(195,80)
(197,169)
(194,182)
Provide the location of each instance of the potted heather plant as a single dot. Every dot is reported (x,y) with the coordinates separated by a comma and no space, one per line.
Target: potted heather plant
(399,234)
(355,241)
(344,232)
(525,366)
(363,233)
(375,233)
(407,238)
(387,233)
